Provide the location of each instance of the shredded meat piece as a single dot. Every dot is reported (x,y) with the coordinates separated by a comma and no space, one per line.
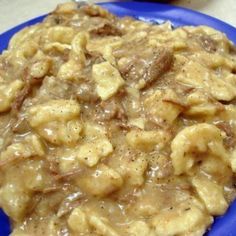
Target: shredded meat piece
(230,140)
(20,125)
(232,49)
(207,43)
(75,172)
(71,202)
(84,153)
(86,93)
(22,95)
(106,29)
(111,109)
(160,64)
(233,101)
(124,126)
(51,189)
(148,67)
(6,136)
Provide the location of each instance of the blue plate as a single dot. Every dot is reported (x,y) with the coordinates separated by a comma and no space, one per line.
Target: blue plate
(158,13)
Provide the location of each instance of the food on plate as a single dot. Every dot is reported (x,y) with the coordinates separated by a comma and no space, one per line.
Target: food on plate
(113,126)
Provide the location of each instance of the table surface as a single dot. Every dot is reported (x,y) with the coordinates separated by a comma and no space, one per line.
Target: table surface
(15,12)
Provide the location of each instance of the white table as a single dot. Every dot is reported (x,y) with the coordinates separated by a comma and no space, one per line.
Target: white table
(13,12)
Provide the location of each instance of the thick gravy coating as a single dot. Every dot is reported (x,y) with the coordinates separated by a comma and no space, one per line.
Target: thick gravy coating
(113,126)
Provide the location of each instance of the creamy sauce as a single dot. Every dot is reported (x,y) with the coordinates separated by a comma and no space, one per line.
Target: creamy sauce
(112,126)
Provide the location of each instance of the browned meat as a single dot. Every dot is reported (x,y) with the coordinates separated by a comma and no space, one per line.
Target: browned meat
(29,84)
(164,170)
(21,97)
(106,29)
(111,109)
(232,49)
(207,43)
(114,109)
(230,140)
(148,66)
(160,64)
(20,125)
(86,93)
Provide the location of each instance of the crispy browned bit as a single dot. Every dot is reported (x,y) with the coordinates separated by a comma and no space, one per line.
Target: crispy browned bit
(230,140)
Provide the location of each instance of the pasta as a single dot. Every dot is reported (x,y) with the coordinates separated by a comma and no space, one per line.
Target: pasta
(113,126)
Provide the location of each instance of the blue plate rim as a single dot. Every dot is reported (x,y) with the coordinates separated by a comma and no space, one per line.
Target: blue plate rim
(179,15)
(157,12)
